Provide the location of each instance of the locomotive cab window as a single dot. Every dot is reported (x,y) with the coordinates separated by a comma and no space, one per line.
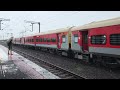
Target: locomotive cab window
(115,39)
(98,39)
(76,38)
(63,38)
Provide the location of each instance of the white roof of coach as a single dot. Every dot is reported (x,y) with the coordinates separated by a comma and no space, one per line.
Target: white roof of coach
(103,23)
(54,31)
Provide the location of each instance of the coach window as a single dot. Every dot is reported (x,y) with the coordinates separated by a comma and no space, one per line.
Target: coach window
(32,40)
(98,39)
(48,40)
(76,38)
(63,39)
(45,39)
(115,39)
(53,40)
(40,39)
(36,40)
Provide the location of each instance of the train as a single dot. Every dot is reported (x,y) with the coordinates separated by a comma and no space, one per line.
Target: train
(93,42)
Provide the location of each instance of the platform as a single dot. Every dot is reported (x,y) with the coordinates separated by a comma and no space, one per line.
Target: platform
(17,67)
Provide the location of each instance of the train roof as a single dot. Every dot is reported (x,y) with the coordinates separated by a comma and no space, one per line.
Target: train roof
(103,23)
(54,31)
(51,31)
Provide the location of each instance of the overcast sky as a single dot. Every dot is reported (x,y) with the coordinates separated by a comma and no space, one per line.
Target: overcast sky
(50,20)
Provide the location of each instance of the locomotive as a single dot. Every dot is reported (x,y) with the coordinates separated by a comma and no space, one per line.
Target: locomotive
(93,42)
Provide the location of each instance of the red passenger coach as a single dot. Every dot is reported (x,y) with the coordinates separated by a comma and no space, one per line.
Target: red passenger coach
(29,41)
(94,42)
(105,40)
(100,39)
(17,41)
(46,40)
(55,40)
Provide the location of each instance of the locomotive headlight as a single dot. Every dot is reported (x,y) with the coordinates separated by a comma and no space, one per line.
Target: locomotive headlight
(79,37)
(89,37)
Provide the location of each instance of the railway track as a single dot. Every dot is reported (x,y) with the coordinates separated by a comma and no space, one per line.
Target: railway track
(58,71)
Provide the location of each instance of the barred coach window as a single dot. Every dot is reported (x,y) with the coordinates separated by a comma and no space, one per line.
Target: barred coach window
(53,40)
(115,39)
(98,39)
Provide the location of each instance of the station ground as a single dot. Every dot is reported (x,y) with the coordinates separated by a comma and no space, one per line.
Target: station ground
(17,67)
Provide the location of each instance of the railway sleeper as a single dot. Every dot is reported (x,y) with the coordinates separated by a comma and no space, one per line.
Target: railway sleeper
(59,73)
(65,75)
(69,77)
(54,71)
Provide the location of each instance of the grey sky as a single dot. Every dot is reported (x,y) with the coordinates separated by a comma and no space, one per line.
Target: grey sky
(49,20)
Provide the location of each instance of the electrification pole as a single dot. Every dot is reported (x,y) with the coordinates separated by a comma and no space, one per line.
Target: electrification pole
(32,22)
(2,19)
(39,26)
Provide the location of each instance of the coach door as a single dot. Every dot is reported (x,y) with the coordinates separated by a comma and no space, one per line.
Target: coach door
(58,41)
(85,40)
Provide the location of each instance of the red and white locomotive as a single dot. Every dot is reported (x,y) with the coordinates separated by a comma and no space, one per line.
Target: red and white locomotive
(93,42)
